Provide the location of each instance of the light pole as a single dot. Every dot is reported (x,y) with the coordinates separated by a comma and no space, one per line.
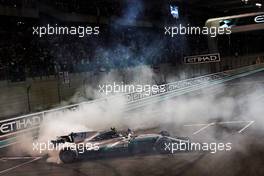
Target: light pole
(28,98)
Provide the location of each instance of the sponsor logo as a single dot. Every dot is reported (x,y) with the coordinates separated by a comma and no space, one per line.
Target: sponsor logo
(19,124)
(202,59)
(259,19)
(166,88)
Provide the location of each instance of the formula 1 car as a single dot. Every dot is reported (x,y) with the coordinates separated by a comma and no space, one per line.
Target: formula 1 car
(92,145)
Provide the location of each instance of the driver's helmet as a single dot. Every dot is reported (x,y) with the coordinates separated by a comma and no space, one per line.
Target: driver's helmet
(129,130)
(113,129)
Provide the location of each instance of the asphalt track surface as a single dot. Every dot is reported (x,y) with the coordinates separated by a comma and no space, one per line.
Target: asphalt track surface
(245,158)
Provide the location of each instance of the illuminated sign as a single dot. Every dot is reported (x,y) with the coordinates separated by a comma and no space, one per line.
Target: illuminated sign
(199,59)
(259,19)
(19,124)
(174,11)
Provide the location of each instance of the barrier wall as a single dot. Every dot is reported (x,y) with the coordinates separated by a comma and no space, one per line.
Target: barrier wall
(10,128)
(46,93)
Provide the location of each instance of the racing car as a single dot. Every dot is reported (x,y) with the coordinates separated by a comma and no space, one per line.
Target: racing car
(112,143)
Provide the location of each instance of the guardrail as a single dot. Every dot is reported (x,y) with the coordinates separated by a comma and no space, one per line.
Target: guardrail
(9,128)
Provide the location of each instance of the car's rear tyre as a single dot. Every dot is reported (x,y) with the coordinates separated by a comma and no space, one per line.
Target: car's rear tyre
(164,133)
(67,155)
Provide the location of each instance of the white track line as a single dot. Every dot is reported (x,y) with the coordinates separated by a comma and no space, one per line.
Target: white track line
(218,123)
(8,144)
(18,158)
(20,165)
(235,122)
(20,132)
(240,131)
(210,124)
(203,124)
(200,124)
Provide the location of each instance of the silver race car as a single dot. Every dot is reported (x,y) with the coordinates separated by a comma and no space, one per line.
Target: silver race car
(88,145)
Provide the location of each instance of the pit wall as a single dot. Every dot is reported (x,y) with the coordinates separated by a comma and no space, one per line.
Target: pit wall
(38,94)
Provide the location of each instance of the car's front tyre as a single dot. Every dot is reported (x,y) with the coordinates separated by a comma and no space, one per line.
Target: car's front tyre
(162,145)
(68,155)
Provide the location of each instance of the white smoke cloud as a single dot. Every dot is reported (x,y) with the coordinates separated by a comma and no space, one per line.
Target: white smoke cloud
(216,104)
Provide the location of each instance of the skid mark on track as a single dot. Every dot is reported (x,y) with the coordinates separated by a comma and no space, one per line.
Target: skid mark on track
(19,165)
(109,166)
(69,167)
(185,168)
